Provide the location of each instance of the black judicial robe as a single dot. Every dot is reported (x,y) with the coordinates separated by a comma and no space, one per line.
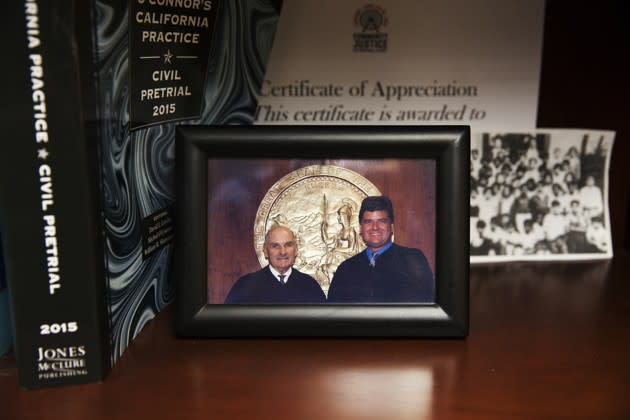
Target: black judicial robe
(262,287)
(401,275)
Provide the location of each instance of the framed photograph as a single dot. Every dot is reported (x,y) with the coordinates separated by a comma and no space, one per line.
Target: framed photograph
(322,231)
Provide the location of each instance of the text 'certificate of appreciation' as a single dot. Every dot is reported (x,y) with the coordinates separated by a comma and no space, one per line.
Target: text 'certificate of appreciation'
(405,62)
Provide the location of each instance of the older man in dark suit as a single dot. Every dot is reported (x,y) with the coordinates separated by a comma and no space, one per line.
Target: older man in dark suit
(278,282)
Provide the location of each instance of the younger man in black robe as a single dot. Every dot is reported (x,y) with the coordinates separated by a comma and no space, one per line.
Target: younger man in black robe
(385,272)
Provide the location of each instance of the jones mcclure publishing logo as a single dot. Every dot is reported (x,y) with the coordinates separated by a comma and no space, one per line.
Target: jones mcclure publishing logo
(61,362)
(372,20)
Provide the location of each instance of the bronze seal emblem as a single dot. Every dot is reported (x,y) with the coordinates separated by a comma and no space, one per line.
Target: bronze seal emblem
(320,204)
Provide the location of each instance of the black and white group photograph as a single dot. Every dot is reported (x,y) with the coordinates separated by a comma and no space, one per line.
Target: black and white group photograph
(540,195)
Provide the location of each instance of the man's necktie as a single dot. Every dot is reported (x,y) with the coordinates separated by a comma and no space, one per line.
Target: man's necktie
(282,276)
(373,260)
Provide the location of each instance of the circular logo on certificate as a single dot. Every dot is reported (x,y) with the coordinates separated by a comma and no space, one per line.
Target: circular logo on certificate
(371,18)
(320,204)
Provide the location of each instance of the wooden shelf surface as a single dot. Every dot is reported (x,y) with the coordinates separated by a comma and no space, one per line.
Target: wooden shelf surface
(546,341)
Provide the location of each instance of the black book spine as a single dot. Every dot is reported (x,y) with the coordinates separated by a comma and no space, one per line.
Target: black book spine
(50,198)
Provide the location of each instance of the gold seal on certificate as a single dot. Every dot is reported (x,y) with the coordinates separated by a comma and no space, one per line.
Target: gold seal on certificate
(320,204)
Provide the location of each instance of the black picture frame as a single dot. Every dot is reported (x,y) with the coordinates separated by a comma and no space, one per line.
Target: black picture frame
(447,317)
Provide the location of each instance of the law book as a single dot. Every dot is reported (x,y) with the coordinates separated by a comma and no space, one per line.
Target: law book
(92,96)
(6,328)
